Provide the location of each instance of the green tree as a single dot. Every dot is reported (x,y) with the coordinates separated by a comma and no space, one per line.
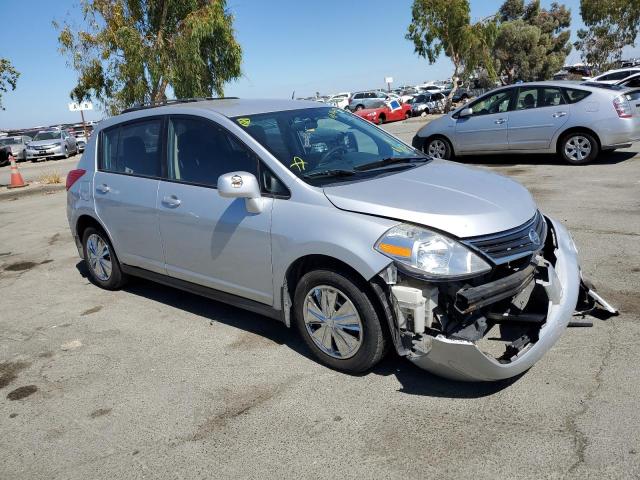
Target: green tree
(131,51)
(8,78)
(624,15)
(445,26)
(532,43)
(612,25)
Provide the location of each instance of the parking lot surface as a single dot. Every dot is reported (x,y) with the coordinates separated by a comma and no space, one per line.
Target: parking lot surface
(151,382)
(32,172)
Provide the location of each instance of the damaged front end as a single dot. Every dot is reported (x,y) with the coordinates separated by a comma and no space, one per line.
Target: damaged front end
(495,325)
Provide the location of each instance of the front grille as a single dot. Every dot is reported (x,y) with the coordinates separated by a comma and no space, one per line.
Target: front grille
(512,244)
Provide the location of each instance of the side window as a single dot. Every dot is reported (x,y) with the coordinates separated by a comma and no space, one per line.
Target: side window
(132,149)
(527,98)
(358,95)
(200,151)
(550,97)
(270,183)
(575,95)
(614,76)
(496,103)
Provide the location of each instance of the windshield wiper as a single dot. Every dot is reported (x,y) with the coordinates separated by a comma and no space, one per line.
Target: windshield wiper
(389,161)
(335,172)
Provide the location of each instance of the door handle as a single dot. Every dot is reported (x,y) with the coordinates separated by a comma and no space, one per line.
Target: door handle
(104,188)
(171,201)
(500,121)
(559,114)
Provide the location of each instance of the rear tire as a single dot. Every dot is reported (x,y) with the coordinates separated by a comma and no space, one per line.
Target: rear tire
(359,107)
(438,147)
(338,321)
(578,148)
(381,119)
(101,261)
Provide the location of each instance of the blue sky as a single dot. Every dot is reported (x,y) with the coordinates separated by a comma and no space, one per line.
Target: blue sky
(288,45)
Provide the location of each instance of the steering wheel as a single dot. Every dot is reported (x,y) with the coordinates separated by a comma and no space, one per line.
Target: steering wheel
(330,153)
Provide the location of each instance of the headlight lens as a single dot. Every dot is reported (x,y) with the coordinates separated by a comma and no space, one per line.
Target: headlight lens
(431,253)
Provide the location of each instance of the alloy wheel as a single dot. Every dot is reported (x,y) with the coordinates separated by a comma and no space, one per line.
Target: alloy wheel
(332,322)
(437,149)
(577,148)
(99,257)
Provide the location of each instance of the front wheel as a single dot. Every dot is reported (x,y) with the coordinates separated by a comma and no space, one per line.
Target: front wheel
(338,321)
(104,268)
(438,148)
(578,148)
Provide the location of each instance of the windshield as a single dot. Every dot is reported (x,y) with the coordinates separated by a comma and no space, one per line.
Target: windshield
(9,140)
(314,140)
(47,136)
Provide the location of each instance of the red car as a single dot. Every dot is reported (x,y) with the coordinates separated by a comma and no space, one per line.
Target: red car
(387,112)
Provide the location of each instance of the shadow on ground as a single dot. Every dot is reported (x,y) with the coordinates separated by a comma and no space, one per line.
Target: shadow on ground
(606,158)
(414,380)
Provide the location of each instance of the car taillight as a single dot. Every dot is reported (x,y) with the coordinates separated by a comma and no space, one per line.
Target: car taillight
(622,107)
(73,176)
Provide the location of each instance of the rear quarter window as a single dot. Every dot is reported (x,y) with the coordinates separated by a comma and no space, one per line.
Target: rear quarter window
(574,95)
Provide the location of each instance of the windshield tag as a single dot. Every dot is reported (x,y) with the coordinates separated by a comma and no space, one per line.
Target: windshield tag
(245,122)
(298,162)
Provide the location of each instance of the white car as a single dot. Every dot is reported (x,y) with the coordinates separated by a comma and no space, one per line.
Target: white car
(339,100)
(614,76)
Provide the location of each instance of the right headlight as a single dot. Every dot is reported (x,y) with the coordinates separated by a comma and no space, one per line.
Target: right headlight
(430,253)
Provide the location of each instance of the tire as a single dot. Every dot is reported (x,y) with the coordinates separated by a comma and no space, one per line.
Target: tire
(578,148)
(407,115)
(108,278)
(359,107)
(352,347)
(381,119)
(66,152)
(438,147)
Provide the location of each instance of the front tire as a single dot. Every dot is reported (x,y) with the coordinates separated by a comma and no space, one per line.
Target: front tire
(578,148)
(338,321)
(101,261)
(438,147)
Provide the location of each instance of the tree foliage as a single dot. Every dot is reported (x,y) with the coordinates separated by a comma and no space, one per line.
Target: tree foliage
(445,27)
(8,78)
(612,25)
(130,51)
(532,42)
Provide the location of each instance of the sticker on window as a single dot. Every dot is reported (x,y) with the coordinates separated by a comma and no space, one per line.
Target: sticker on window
(299,163)
(333,113)
(245,122)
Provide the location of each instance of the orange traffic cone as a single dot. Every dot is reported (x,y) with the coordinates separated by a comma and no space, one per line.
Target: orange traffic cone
(16,179)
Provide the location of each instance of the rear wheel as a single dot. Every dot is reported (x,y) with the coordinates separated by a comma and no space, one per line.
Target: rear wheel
(102,263)
(338,321)
(578,148)
(438,147)
(359,107)
(381,119)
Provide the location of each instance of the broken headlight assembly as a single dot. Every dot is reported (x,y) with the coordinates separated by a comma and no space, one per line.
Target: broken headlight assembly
(430,254)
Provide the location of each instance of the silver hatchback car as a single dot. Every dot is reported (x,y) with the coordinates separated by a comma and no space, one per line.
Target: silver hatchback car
(315,217)
(575,120)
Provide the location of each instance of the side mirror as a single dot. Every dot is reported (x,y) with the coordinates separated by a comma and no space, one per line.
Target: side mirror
(466,112)
(241,185)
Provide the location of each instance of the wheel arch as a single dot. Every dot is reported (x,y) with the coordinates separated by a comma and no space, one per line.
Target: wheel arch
(576,129)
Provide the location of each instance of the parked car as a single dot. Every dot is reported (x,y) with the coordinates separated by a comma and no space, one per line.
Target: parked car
(631,82)
(581,72)
(360,100)
(51,144)
(613,76)
(310,215)
(18,145)
(387,111)
(575,120)
(78,131)
(426,103)
(340,100)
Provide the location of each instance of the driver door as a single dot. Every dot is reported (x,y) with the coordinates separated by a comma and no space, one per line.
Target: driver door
(485,129)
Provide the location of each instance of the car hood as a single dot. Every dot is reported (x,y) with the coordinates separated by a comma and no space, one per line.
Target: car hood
(462,201)
(37,143)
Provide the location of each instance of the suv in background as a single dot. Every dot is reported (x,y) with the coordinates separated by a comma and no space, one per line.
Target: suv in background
(313,216)
(369,99)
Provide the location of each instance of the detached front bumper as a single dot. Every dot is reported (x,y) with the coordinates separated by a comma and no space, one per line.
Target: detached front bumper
(464,360)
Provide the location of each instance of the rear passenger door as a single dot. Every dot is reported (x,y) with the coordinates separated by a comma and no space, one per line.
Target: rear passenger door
(125,189)
(538,113)
(210,240)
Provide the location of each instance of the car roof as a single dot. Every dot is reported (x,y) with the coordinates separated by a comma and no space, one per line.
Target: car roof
(233,107)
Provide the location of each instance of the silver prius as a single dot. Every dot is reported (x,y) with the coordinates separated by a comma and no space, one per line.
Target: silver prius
(315,217)
(575,120)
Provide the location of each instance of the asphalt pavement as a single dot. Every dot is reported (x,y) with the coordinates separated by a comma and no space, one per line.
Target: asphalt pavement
(151,382)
